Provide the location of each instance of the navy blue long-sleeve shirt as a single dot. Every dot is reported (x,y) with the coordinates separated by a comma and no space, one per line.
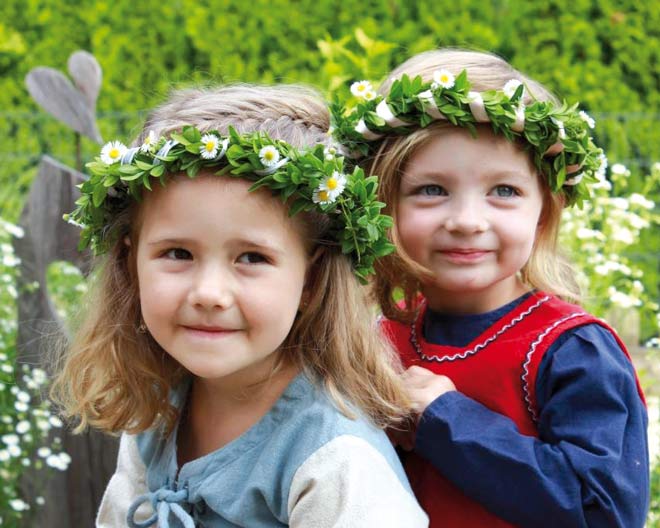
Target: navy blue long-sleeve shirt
(589,466)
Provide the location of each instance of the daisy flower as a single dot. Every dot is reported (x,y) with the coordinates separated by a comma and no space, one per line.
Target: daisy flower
(330,188)
(360,88)
(443,78)
(149,142)
(510,87)
(330,153)
(269,156)
(112,152)
(209,147)
(587,119)
(369,95)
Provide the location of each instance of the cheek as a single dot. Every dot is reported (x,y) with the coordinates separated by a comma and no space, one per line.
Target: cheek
(414,228)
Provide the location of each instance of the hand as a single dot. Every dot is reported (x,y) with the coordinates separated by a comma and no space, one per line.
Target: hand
(423,387)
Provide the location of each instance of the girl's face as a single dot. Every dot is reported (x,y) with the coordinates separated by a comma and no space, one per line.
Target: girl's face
(221,272)
(468,210)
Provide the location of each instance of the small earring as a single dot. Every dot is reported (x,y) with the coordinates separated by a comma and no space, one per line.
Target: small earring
(142,328)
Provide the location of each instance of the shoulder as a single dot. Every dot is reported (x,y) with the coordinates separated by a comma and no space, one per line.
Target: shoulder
(128,482)
(349,482)
(314,419)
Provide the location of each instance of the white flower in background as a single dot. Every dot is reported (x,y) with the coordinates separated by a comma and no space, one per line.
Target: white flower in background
(210,146)
(19,505)
(60,461)
(269,156)
(587,119)
(4,455)
(23,396)
(14,450)
(112,152)
(55,421)
(12,229)
(360,88)
(620,170)
(22,427)
(511,86)
(619,203)
(149,142)
(330,188)
(10,439)
(444,78)
(40,501)
(10,260)
(584,233)
(21,406)
(623,235)
(44,452)
(638,199)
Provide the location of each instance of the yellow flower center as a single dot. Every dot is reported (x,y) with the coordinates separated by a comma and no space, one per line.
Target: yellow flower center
(444,78)
(114,153)
(361,88)
(269,155)
(323,196)
(210,145)
(331,184)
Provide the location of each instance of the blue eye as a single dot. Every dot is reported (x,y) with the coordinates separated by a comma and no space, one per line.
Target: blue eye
(178,254)
(251,257)
(432,190)
(505,191)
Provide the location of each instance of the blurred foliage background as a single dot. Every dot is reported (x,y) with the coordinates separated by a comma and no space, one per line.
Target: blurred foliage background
(603,53)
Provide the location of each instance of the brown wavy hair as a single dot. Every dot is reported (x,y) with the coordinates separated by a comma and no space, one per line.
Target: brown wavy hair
(398,274)
(115,378)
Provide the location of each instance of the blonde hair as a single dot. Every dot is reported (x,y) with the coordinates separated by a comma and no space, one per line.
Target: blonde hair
(546,268)
(116,378)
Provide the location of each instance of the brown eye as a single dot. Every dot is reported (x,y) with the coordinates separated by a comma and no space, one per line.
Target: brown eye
(178,254)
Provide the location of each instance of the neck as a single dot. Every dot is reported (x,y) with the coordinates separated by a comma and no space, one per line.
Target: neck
(216,415)
(474,302)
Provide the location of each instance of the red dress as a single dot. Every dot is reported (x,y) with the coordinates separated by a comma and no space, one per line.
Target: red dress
(497,369)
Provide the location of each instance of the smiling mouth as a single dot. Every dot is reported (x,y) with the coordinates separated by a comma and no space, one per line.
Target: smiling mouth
(209,331)
(464,255)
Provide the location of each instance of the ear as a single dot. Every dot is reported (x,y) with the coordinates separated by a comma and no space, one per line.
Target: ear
(127,241)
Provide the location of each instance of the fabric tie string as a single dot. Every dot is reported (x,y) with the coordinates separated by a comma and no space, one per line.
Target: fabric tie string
(163,501)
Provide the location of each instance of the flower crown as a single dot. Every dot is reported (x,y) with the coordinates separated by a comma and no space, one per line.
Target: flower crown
(307,180)
(558,136)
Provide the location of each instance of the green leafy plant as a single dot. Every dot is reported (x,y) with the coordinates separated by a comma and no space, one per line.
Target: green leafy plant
(27,425)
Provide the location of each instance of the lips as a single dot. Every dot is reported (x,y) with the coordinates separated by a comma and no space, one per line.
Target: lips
(464,254)
(209,331)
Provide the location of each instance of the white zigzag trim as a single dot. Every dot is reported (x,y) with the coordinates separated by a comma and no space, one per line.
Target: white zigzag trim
(478,347)
(528,359)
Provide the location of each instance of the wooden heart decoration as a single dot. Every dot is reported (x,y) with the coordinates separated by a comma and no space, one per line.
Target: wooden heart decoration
(86,74)
(56,94)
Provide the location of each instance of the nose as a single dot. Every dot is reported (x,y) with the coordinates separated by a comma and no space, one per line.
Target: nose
(466,216)
(212,287)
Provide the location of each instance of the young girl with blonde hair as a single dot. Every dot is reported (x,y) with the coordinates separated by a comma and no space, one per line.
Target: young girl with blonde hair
(529,410)
(228,337)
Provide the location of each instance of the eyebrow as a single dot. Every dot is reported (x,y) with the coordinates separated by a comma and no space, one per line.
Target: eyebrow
(262,245)
(425,176)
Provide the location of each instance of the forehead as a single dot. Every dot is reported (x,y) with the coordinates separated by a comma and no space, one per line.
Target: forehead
(455,149)
(208,204)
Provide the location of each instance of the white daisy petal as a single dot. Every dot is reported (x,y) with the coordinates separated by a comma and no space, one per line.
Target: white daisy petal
(112,152)
(269,156)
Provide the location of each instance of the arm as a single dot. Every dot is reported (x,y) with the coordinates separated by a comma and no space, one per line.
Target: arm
(127,483)
(589,466)
(349,484)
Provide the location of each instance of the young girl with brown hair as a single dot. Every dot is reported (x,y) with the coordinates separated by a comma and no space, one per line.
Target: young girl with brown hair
(228,337)
(530,413)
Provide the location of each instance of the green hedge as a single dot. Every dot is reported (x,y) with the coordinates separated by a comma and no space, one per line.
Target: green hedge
(603,53)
